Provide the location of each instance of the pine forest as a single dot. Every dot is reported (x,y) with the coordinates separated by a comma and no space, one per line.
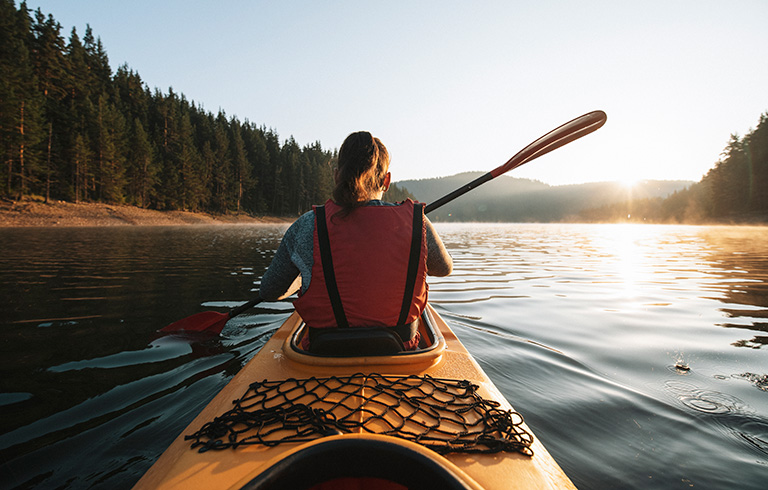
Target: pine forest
(72,130)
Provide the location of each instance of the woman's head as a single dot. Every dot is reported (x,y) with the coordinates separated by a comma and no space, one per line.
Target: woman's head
(362,171)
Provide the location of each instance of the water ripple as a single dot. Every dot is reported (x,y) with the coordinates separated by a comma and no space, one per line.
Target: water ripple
(705,401)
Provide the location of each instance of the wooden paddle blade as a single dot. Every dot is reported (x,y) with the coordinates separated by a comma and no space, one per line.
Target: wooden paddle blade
(207,321)
(560,136)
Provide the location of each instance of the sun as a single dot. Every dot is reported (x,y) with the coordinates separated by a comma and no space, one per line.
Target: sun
(629,182)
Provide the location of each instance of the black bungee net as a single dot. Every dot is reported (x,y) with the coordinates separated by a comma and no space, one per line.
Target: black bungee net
(445,415)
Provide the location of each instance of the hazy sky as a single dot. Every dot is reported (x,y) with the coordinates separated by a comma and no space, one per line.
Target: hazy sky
(451,86)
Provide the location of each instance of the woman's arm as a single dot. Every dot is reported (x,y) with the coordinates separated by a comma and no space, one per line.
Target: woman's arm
(277,281)
(292,260)
(439,261)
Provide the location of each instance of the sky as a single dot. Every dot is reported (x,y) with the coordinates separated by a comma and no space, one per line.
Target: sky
(455,86)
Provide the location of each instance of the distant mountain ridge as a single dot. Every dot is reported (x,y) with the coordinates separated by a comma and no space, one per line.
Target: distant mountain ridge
(511,199)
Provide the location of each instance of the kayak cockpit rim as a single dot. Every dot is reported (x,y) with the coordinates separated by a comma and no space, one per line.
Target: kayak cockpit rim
(431,350)
(360,457)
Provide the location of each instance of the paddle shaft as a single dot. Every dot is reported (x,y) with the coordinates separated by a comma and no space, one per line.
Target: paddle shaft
(244,307)
(458,192)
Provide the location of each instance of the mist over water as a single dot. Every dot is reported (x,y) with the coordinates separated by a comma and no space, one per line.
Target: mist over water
(636,353)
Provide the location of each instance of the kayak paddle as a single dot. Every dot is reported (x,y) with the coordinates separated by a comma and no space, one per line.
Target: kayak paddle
(560,136)
(208,321)
(213,322)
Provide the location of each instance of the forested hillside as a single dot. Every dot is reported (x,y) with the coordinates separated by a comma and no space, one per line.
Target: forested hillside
(734,190)
(71,129)
(510,199)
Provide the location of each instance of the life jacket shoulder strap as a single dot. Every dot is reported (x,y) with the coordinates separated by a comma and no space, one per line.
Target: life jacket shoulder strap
(324,244)
(413,261)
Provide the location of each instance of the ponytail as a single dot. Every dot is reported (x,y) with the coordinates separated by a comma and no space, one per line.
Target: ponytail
(362,168)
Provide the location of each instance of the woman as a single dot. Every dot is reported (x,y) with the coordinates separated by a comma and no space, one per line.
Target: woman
(362,261)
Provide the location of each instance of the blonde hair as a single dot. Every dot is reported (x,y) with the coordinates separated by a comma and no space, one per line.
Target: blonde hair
(362,169)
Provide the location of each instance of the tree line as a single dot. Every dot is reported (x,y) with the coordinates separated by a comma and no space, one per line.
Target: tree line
(71,129)
(734,190)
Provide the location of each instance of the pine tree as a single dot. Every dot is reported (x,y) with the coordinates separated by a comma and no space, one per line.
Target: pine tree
(258,158)
(77,112)
(111,152)
(273,181)
(100,73)
(11,67)
(51,69)
(222,170)
(190,166)
(757,142)
(142,165)
(132,95)
(82,173)
(21,109)
(243,178)
(289,163)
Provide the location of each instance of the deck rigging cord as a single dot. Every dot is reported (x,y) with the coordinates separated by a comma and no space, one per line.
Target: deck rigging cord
(445,415)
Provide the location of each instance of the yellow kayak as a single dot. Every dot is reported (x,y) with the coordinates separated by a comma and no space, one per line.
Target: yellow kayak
(429,418)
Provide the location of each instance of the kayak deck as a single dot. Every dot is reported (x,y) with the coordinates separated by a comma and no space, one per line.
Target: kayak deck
(298,464)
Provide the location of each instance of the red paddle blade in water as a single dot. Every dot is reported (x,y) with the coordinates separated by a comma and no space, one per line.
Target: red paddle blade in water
(207,321)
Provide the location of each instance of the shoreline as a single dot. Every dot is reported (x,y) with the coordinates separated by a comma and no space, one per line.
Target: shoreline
(38,214)
(33,213)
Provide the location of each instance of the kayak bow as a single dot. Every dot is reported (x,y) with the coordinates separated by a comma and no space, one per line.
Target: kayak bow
(365,453)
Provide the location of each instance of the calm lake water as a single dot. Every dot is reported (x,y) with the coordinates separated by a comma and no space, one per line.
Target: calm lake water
(637,354)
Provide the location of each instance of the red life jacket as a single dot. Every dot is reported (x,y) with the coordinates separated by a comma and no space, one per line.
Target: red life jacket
(373,250)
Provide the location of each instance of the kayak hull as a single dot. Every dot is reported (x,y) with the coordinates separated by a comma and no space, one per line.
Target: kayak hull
(180,466)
